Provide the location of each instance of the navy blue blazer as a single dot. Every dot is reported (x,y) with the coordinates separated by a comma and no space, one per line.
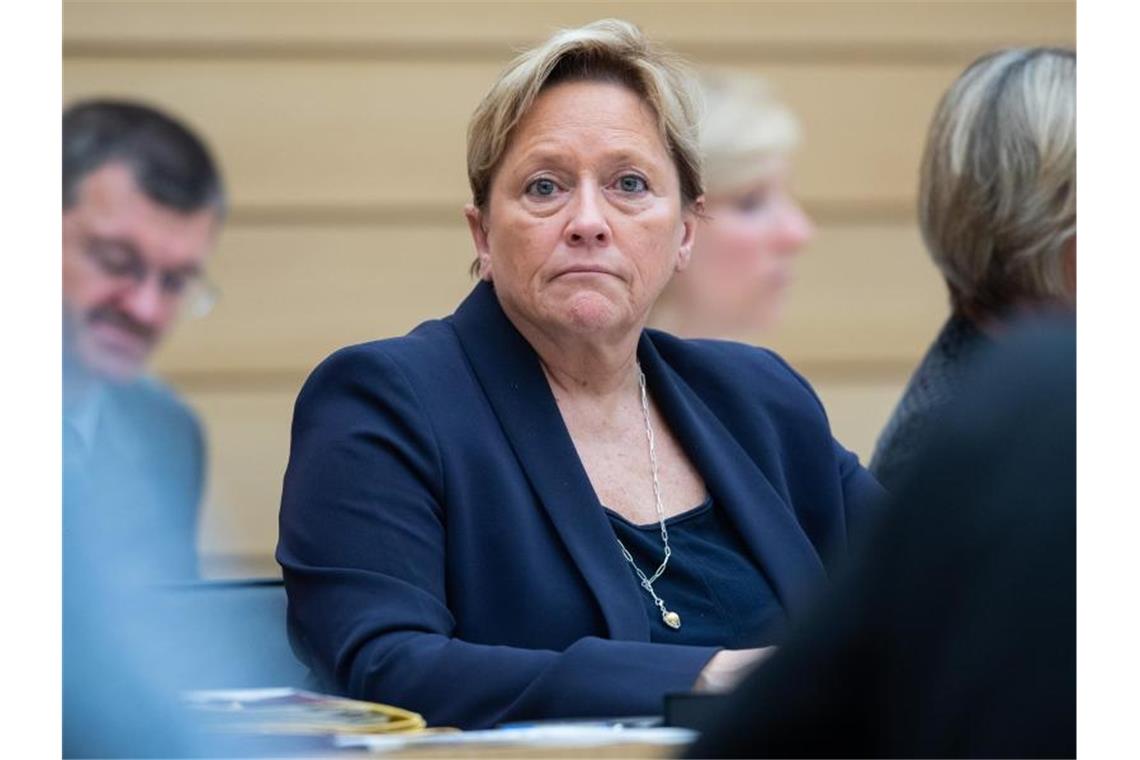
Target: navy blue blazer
(443,549)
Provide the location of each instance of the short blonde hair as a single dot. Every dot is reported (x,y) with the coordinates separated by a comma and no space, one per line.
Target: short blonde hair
(998,187)
(743,128)
(608,50)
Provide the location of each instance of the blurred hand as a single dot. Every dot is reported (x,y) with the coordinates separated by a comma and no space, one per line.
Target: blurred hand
(728,667)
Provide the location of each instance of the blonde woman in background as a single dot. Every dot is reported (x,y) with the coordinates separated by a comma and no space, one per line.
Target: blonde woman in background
(752,229)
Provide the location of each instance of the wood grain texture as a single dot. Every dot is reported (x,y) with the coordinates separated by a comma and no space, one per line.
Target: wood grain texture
(495,28)
(863,294)
(314,139)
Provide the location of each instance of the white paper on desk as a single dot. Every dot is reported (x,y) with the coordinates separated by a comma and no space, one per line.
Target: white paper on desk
(537,736)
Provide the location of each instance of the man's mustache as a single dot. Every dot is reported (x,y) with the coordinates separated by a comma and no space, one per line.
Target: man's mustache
(123,321)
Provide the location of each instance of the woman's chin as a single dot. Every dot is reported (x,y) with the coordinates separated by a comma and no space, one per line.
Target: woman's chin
(591,312)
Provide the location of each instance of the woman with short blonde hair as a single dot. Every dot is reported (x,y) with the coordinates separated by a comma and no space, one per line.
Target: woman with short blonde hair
(535,507)
(612,50)
(998,212)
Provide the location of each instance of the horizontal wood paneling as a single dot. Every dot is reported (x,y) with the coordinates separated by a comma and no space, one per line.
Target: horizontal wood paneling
(291,296)
(323,136)
(739,29)
(248,434)
(862,295)
(858,408)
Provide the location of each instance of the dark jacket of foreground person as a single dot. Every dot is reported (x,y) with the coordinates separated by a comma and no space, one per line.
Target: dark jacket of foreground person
(955,633)
(444,550)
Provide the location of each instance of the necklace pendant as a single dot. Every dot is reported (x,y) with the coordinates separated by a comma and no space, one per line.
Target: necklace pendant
(672,619)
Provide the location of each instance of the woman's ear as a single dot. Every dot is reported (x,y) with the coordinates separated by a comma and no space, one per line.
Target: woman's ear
(684,256)
(690,218)
(474,218)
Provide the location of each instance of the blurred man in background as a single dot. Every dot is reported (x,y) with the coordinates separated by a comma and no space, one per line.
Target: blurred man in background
(142,205)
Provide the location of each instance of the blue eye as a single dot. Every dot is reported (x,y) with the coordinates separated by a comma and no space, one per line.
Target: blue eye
(542,187)
(631,183)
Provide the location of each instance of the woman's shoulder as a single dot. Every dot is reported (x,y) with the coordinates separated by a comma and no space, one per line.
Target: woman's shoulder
(431,341)
(377,366)
(735,368)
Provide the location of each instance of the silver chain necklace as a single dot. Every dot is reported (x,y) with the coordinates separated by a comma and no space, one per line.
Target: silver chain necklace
(672,619)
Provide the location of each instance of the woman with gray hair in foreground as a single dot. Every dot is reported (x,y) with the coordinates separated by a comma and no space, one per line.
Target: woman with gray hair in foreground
(536,508)
(998,212)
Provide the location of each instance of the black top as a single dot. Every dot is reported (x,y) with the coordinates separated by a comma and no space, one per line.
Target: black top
(722,597)
(933,385)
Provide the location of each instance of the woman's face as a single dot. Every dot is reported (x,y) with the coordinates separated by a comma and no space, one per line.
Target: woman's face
(743,255)
(584,223)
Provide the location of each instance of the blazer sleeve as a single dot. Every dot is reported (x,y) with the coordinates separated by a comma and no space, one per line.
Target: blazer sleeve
(362,547)
(863,496)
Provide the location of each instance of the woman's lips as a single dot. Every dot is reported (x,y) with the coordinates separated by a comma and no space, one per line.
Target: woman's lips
(586,270)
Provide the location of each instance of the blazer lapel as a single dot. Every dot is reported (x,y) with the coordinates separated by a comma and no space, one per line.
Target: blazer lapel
(765,521)
(509,373)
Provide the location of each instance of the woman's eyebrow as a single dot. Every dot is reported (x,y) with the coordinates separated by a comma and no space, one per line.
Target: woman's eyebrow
(549,156)
(542,154)
(634,156)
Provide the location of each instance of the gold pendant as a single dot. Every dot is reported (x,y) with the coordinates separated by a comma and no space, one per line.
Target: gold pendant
(672,619)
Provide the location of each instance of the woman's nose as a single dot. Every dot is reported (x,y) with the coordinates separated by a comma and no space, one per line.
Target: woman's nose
(588,224)
(797,227)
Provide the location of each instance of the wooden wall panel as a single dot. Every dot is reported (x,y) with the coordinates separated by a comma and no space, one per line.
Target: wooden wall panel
(325,134)
(291,295)
(741,28)
(858,408)
(248,434)
(305,138)
(864,295)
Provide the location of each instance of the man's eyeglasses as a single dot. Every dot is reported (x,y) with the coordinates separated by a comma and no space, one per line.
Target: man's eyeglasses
(189,286)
